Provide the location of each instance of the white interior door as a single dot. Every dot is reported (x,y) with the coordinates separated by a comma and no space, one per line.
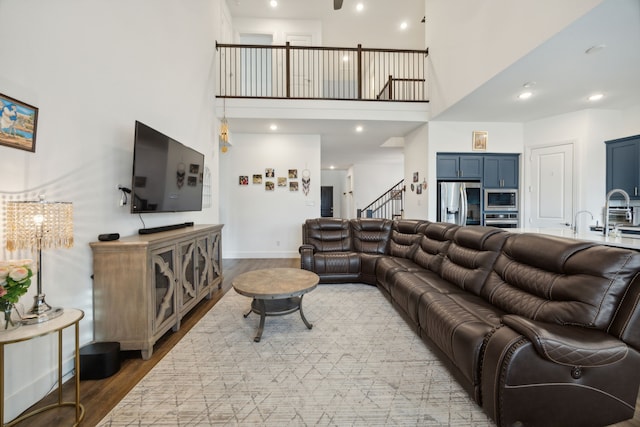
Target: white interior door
(302,65)
(551,186)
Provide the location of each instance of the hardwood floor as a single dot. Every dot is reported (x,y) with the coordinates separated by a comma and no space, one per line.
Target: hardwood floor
(100,396)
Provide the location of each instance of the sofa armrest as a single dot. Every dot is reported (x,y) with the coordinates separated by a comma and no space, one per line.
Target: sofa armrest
(306,257)
(567,344)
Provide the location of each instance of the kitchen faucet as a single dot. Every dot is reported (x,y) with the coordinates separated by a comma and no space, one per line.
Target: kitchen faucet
(575,220)
(605,229)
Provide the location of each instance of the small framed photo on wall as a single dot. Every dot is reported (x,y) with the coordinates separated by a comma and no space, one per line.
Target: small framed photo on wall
(479,142)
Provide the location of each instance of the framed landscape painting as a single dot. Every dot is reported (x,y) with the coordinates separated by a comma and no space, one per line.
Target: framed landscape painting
(18,124)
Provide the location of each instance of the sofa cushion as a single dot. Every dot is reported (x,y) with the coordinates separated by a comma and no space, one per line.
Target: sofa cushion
(371,235)
(336,263)
(470,256)
(406,288)
(458,324)
(327,234)
(562,281)
(433,244)
(405,237)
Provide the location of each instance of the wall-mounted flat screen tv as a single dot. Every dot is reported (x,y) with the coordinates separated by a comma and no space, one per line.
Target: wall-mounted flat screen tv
(167,175)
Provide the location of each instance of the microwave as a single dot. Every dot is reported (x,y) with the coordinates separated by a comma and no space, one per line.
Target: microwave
(500,199)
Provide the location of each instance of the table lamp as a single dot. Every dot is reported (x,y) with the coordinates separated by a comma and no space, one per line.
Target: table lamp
(38,225)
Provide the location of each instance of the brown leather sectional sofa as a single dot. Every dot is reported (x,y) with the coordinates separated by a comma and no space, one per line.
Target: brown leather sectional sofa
(539,330)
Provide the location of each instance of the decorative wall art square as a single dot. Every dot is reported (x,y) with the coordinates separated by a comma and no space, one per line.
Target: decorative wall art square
(415,177)
(194,168)
(293,173)
(282,181)
(269,185)
(257,178)
(243,180)
(293,185)
(18,124)
(192,181)
(269,173)
(480,140)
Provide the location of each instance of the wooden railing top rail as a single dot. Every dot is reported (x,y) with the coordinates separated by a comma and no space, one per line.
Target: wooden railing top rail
(290,46)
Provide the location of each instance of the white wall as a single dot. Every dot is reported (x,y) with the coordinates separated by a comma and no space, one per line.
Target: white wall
(92,68)
(457,137)
(416,154)
(260,223)
(462,36)
(370,181)
(279,29)
(588,129)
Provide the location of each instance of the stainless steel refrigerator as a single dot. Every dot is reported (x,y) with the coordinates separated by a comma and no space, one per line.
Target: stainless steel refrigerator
(460,202)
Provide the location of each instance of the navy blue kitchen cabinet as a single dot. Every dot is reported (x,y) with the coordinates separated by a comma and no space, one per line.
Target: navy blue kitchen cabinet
(623,165)
(501,171)
(459,166)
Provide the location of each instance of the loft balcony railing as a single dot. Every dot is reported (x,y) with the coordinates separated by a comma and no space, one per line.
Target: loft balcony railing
(304,72)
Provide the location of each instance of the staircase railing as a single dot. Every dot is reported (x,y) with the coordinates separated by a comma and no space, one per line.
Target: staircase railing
(390,205)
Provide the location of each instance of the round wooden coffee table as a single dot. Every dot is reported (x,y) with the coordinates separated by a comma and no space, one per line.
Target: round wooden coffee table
(275,291)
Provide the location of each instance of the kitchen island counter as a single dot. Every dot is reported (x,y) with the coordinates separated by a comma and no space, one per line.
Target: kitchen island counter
(590,236)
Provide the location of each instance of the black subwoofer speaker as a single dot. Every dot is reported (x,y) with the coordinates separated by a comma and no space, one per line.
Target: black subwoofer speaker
(99,360)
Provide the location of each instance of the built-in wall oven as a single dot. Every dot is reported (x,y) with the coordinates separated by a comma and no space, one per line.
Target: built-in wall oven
(502,220)
(500,199)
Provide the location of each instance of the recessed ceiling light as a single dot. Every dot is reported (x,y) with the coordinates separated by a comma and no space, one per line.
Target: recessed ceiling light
(404,25)
(345,58)
(596,97)
(525,95)
(332,167)
(273,127)
(359,129)
(595,49)
(273,3)
(359,7)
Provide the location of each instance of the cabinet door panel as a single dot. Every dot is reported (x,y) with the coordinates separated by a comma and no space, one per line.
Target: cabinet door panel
(491,177)
(163,289)
(623,166)
(447,166)
(188,289)
(509,172)
(470,167)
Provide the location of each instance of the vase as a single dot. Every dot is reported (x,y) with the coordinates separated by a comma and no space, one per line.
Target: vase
(10,318)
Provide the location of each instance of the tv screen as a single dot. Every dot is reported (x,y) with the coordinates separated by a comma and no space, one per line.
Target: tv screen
(167,175)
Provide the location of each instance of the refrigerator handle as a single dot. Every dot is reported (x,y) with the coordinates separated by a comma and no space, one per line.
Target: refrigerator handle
(463,204)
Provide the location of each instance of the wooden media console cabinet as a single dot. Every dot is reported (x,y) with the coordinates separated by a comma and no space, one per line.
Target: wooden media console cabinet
(144,284)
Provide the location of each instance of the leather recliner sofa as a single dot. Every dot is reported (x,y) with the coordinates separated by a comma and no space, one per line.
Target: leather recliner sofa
(540,330)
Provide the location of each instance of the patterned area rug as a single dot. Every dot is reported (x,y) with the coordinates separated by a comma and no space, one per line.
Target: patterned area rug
(360,365)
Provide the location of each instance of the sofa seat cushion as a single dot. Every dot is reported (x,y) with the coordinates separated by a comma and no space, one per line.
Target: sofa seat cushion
(458,324)
(387,266)
(406,287)
(331,263)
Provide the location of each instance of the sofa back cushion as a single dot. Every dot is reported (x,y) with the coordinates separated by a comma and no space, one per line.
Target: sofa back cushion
(433,244)
(470,256)
(562,281)
(327,234)
(405,236)
(371,235)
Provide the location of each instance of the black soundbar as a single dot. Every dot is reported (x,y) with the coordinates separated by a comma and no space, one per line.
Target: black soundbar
(152,230)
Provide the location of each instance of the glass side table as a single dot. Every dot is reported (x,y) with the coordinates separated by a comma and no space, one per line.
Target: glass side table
(70,317)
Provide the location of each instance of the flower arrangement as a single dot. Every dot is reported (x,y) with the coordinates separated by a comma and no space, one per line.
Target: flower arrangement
(15,279)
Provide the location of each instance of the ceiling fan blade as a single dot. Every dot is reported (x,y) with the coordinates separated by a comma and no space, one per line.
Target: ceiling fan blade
(337,4)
